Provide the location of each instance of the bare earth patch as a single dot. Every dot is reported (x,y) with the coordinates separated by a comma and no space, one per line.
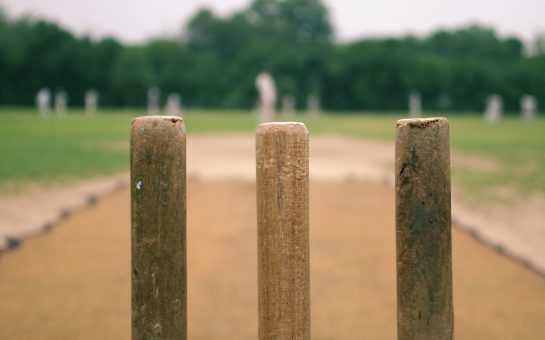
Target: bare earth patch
(37,209)
(516,229)
(75,282)
(331,157)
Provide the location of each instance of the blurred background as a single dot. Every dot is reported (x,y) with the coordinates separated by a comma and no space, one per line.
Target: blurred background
(354,56)
(73,74)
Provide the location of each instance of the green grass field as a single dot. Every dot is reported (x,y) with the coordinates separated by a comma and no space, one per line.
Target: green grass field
(509,154)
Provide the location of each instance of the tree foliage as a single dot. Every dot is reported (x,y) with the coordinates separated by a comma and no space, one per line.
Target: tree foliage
(214,62)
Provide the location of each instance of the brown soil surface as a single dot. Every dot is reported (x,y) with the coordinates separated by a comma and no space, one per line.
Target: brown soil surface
(74,282)
(517,227)
(36,207)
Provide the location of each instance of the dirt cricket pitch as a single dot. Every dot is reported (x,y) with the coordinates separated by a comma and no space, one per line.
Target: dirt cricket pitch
(74,282)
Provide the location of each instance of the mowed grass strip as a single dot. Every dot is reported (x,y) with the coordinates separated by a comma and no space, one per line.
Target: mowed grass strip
(41,150)
(54,149)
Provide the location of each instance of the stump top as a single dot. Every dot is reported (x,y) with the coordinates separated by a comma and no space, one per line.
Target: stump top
(147,119)
(422,122)
(282,126)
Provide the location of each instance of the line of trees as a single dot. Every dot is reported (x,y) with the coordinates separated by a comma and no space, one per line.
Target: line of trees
(214,60)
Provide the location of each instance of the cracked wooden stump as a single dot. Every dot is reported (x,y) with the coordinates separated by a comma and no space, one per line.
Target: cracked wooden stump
(158,218)
(423,230)
(283,231)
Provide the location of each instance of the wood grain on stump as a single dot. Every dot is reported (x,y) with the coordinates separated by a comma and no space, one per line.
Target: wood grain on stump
(158,218)
(423,229)
(283,231)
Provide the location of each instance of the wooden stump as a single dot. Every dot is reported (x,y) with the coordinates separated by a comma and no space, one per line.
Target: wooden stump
(283,231)
(158,218)
(423,230)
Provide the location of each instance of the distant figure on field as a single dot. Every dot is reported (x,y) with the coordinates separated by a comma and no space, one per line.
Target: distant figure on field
(313,105)
(91,102)
(493,110)
(154,95)
(60,102)
(415,104)
(528,107)
(43,101)
(173,106)
(288,105)
(267,97)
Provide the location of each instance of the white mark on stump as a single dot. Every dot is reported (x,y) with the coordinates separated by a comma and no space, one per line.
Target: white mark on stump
(142,130)
(157,328)
(139,185)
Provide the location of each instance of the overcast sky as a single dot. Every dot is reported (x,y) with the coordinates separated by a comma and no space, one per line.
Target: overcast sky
(137,20)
